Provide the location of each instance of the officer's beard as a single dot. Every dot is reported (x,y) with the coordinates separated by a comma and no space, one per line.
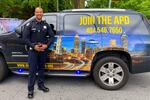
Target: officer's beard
(39,19)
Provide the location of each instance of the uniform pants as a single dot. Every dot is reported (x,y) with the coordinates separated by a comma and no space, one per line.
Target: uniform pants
(36,65)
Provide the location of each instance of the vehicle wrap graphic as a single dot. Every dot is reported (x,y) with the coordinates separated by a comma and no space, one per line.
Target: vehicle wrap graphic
(82,37)
(75,49)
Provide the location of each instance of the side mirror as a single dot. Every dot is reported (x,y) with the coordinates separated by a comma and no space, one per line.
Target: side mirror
(18,30)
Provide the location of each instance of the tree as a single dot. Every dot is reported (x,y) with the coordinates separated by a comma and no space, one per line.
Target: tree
(145,8)
(97,3)
(10,8)
(24,8)
(137,5)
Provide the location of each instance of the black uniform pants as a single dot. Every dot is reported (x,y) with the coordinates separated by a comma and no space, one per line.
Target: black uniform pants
(36,65)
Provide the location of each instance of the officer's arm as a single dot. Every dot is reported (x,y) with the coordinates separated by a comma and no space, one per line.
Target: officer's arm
(26,35)
(50,36)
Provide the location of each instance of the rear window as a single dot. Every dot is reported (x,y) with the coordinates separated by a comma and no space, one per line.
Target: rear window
(122,23)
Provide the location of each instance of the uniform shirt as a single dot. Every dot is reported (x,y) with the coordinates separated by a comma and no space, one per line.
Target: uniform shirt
(37,32)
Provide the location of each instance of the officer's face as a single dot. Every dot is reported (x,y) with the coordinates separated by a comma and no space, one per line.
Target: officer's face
(38,13)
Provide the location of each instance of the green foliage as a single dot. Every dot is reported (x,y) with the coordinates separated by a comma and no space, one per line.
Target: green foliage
(144,7)
(25,8)
(10,8)
(97,4)
(137,5)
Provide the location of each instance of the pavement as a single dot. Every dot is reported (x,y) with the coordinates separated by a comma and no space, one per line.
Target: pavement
(75,88)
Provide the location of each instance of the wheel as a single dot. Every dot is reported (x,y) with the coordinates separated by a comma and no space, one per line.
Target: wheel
(3,69)
(111,73)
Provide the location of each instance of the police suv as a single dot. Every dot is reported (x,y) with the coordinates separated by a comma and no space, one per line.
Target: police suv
(105,43)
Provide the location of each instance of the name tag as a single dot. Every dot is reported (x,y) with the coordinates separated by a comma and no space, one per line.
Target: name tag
(33,29)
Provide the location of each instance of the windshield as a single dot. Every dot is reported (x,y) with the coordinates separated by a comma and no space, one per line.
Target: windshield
(9,24)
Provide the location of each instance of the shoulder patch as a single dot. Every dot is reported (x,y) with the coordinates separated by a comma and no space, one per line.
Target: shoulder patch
(27,24)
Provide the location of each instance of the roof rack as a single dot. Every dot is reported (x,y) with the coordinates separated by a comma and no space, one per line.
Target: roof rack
(95,9)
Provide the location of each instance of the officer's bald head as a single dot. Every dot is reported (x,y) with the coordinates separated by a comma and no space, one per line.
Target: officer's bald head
(38,13)
(38,8)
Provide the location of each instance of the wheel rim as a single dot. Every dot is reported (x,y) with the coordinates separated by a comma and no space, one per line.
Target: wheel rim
(111,74)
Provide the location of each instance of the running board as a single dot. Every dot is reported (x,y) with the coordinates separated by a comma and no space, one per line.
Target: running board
(55,73)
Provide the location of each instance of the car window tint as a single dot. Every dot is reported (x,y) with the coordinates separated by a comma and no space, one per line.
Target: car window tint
(72,23)
(51,20)
(134,26)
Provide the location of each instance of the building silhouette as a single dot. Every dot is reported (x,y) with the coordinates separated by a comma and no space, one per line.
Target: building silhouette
(59,46)
(83,46)
(76,44)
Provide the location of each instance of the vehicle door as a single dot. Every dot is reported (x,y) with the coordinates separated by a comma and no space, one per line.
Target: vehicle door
(77,43)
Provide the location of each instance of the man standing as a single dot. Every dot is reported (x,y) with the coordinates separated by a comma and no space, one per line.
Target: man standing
(38,36)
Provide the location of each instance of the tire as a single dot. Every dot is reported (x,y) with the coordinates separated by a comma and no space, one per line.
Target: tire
(111,73)
(3,69)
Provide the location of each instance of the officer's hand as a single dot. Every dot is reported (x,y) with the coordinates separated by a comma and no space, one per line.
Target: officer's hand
(38,48)
(44,46)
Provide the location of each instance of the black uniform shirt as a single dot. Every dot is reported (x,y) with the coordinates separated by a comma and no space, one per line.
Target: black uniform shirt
(38,32)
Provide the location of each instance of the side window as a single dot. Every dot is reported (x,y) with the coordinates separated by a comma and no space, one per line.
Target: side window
(73,23)
(120,23)
(52,21)
(136,26)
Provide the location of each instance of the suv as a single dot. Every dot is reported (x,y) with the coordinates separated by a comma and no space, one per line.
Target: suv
(105,43)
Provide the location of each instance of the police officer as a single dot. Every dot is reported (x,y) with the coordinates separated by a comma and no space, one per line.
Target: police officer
(38,36)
